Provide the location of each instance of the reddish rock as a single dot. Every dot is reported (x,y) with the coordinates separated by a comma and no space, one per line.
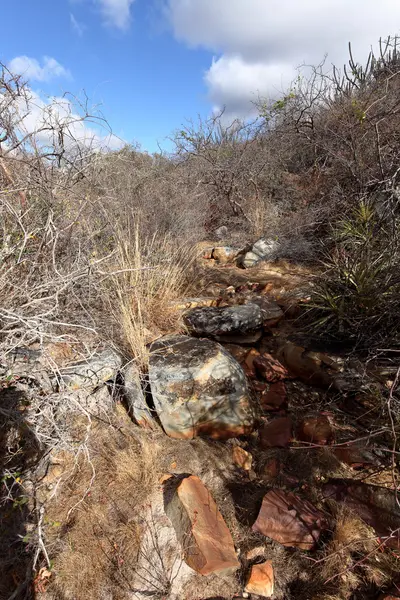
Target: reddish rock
(375,505)
(200,528)
(248,363)
(355,457)
(289,520)
(274,398)
(313,368)
(270,470)
(276,433)
(315,430)
(261,580)
(242,458)
(258,386)
(269,368)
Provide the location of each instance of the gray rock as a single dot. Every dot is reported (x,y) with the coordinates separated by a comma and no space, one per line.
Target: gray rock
(227,323)
(135,398)
(263,249)
(91,373)
(198,388)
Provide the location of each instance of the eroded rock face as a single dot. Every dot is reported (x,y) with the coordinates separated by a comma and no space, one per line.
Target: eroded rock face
(198,388)
(263,249)
(236,324)
(289,520)
(261,580)
(206,541)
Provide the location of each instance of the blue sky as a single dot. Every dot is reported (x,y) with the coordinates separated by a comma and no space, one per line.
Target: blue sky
(152,63)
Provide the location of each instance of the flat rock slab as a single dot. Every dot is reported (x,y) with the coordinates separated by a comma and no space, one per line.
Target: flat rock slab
(226,324)
(198,388)
(261,580)
(289,520)
(92,372)
(206,541)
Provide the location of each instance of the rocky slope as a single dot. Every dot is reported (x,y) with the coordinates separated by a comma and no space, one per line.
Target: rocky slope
(242,464)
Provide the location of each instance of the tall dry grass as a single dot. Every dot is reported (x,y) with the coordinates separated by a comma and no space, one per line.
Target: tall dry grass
(150,273)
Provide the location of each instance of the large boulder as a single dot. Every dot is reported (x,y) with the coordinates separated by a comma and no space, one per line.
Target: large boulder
(206,541)
(236,324)
(289,520)
(263,249)
(198,388)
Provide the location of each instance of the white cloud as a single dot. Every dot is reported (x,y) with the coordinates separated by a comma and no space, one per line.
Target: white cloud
(78,27)
(31,69)
(259,43)
(116,13)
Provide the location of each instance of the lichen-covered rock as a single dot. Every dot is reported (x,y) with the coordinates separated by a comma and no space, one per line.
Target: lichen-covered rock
(240,324)
(135,398)
(263,249)
(198,388)
(206,541)
(289,520)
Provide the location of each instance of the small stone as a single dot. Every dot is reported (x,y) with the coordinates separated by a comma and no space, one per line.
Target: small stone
(248,363)
(261,580)
(225,254)
(276,433)
(270,470)
(242,458)
(315,430)
(270,368)
(274,398)
(206,541)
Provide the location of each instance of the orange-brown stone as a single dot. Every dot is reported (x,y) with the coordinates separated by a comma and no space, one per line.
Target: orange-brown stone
(261,580)
(242,458)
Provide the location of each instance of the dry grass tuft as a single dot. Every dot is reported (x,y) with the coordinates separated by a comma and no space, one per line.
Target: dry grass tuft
(150,273)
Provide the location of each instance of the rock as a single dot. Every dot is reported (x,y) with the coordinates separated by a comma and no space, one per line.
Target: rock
(271,469)
(275,398)
(239,353)
(90,373)
(261,580)
(289,520)
(276,433)
(206,541)
(248,363)
(225,254)
(242,458)
(237,324)
(270,368)
(313,368)
(375,505)
(221,232)
(355,457)
(315,430)
(270,309)
(263,249)
(198,388)
(135,398)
